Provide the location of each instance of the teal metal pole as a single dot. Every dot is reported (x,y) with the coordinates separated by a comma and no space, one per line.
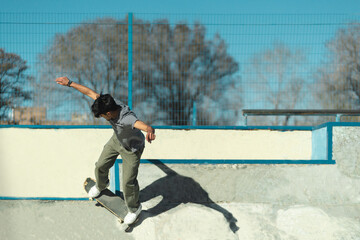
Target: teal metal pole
(194,114)
(115,178)
(130,58)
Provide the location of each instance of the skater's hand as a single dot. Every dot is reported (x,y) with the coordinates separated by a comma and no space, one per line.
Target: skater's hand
(150,132)
(62,81)
(150,136)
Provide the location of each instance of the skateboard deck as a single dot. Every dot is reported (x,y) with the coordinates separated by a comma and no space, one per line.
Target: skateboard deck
(113,203)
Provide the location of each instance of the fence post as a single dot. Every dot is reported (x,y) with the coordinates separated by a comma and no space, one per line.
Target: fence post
(194,114)
(130,58)
(115,178)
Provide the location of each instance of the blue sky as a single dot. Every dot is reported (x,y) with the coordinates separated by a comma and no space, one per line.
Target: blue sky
(185,6)
(28,38)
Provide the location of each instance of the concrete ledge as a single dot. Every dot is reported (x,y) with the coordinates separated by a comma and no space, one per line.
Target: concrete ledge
(46,163)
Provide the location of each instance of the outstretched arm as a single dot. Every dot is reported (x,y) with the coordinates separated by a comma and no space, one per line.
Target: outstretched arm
(64,81)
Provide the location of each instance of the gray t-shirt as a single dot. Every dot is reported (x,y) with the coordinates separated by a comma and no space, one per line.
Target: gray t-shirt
(130,138)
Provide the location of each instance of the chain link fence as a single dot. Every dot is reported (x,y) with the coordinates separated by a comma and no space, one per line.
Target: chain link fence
(178,69)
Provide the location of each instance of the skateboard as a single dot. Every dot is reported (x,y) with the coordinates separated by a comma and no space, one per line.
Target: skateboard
(113,203)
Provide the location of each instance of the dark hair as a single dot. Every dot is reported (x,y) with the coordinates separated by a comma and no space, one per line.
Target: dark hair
(103,104)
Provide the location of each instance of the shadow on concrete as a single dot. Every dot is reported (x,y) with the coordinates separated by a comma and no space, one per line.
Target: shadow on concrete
(175,190)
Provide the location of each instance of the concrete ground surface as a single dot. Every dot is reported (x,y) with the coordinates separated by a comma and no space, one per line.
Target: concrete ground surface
(250,202)
(82,220)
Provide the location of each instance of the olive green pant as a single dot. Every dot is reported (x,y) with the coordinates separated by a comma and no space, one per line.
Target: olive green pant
(130,166)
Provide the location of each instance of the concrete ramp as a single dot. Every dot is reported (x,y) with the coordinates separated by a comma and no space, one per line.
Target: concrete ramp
(302,202)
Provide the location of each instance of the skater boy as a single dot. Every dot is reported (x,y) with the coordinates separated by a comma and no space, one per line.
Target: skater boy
(127,141)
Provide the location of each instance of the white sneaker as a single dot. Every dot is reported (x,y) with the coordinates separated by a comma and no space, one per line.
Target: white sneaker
(94,192)
(130,218)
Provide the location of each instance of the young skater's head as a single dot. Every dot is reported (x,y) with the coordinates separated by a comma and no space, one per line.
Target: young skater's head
(103,106)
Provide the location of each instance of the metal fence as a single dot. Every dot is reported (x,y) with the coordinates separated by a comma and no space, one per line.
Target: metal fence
(178,69)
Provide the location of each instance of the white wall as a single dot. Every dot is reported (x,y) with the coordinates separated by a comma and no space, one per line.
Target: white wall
(48,162)
(55,162)
(230,144)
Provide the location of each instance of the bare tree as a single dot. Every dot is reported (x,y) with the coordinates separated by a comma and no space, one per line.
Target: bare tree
(173,66)
(93,54)
(339,78)
(276,74)
(178,67)
(12,80)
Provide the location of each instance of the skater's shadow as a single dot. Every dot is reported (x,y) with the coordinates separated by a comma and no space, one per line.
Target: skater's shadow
(176,189)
